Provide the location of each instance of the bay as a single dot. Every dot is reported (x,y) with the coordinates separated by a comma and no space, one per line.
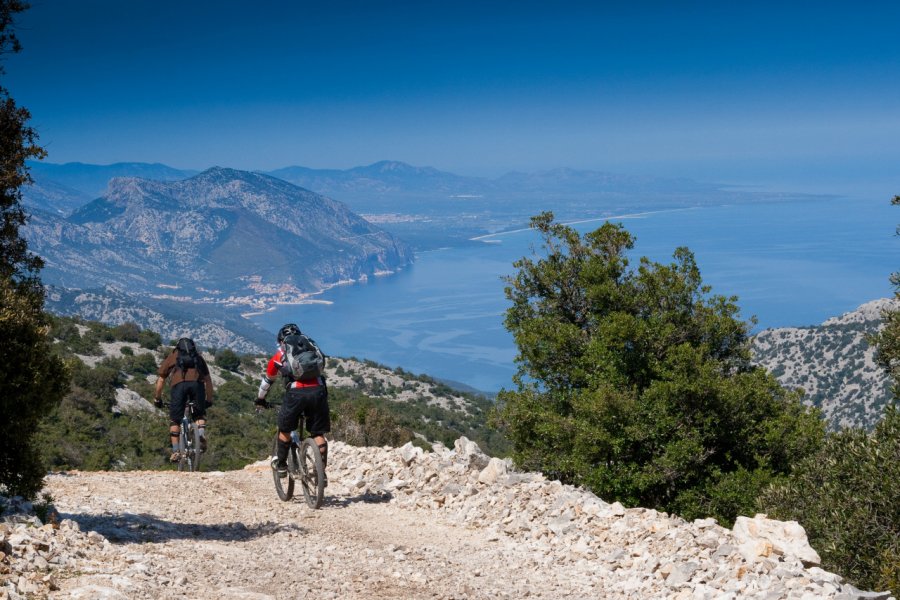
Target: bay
(791,263)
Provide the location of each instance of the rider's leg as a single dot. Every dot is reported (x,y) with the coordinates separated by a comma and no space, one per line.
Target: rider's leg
(288,420)
(174,433)
(284,445)
(176,411)
(322,443)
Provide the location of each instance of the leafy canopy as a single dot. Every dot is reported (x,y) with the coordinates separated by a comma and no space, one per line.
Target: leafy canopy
(637,383)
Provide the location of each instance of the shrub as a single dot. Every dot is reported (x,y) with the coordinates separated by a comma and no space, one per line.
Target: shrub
(364,424)
(846,496)
(126,332)
(228,359)
(149,339)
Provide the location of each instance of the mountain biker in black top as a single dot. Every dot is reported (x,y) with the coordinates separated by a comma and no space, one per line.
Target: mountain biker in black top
(308,398)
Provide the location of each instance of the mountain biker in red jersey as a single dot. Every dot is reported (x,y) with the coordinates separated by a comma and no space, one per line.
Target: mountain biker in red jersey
(303,397)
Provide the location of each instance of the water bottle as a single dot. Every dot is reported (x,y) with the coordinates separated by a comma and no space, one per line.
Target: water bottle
(295,439)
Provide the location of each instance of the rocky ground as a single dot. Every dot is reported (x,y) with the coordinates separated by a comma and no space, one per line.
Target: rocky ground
(397,523)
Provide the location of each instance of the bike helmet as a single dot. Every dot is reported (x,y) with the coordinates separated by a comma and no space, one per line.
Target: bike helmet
(286,330)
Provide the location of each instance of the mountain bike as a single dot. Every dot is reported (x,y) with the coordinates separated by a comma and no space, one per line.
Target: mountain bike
(304,464)
(189,449)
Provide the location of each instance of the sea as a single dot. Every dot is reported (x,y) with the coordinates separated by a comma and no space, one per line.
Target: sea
(790,263)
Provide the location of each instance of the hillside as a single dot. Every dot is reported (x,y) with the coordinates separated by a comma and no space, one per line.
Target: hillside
(106,421)
(833,364)
(397,523)
(192,255)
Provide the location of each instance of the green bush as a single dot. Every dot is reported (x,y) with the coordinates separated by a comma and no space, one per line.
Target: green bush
(126,332)
(637,383)
(227,359)
(149,339)
(365,424)
(847,497)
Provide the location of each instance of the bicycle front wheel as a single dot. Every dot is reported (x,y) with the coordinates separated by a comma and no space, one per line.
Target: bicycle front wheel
(283,487)
(312,469)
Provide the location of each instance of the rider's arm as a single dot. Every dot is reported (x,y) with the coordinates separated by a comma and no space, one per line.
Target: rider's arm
(270,375)
(206,378)
(162,373)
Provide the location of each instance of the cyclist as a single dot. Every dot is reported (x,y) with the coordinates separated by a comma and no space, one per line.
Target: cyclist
(303,397)
(190,380)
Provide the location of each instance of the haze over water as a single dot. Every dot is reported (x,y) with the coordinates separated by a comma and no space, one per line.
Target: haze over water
(790,264)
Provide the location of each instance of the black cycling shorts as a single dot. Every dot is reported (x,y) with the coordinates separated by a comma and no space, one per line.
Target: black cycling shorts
(310,403)
(181,393)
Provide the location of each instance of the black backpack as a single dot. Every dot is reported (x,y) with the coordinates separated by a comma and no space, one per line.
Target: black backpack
(302,359)
(188,357)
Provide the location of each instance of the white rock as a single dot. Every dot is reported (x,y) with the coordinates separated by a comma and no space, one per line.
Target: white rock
(760,537)
(494,469)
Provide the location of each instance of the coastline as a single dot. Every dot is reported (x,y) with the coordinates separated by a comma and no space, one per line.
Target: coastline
(486,238)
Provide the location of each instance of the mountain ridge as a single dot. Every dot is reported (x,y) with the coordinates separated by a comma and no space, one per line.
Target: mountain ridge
(223,238)
(833,364)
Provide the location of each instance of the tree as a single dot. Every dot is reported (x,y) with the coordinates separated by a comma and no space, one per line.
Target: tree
(228,359)
(32,380)
(638,385)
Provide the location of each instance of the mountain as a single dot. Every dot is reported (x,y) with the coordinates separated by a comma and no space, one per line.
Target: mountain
(53,197)
(398,178)
(833,363)
(91,180)
(384,178)
(226,240)
(220,234)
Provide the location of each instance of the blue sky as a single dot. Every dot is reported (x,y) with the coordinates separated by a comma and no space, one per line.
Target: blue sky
(804,95)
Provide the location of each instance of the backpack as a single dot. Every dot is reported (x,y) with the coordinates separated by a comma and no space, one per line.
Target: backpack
(302,359)
(188,358)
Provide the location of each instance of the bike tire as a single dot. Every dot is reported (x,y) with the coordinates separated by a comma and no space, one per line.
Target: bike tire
(184,461)
(312,470)
(284,487)
(196,452)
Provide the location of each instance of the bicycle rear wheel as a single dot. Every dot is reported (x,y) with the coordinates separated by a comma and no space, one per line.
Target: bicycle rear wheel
(184,447)
(312,470)
(284,487)
(195,451)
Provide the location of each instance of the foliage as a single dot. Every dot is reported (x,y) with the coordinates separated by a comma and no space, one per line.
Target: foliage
(637,384)
(32,378)
(363,423)
(846,497)
(228,359)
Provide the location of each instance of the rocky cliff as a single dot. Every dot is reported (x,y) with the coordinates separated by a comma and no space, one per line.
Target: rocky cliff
(833,363)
